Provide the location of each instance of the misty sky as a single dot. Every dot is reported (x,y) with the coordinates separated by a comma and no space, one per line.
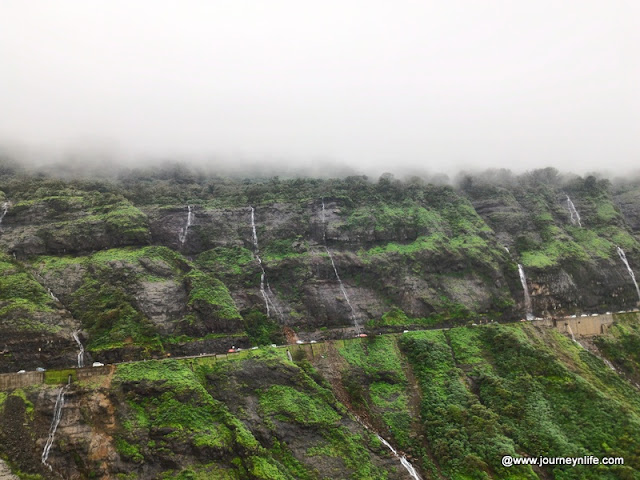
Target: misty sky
(437,85)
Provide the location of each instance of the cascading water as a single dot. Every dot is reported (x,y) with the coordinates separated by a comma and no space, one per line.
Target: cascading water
(604,360)
(571,333)
(403,460)
(183,234)
(575,216)
(623,257)
(268,303)
(344,294)
(57,416)
(335,270)
(80,350)
(3,211)
(51,294)
(527,298)
(573,337)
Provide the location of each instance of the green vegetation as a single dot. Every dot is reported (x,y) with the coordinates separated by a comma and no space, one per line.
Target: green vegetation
(182,408)
(112,315)
(225,260)
(285,248)
(185,409)
(261,329)
(621,345)
(57,377)
(492,391)
(108,313)
(376,382)
(22,298)
(205,288)
(432,243)
(295,406)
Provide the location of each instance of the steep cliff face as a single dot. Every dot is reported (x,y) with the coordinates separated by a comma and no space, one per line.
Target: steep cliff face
(35,328)
(58,220)
(565,234)
(333,253)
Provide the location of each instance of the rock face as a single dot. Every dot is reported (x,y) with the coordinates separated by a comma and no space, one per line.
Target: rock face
(570,266)
(71,223)
(118,263)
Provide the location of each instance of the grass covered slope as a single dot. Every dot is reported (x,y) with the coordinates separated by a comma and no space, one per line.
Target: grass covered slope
(621,345)
(488,391)
(255,416)
(454,400)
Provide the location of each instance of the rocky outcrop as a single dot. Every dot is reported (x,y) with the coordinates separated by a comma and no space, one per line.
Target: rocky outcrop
(72,223)
(5,472)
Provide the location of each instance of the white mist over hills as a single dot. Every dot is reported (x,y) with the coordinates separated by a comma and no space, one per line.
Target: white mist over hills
(358,86)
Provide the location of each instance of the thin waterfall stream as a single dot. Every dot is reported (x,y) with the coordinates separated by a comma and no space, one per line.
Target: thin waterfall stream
(183,234)
(80,350)
(3,211)
(265,288)
(354,319)
(403,459)
(52,295)
(623,257)
(573,337)
(57,416)
(575,216)
(527,298)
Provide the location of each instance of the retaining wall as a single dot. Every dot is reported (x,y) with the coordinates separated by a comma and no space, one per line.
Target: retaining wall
(9,381)
(579,326)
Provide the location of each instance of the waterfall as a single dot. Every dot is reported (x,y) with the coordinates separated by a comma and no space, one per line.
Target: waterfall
(571,332)
(623,257)
(527,298)
(575,216)
(335,270)
(5,209)
(253,229)
(289,356)
(609,364)
(268,303)
(80,350)
(183,234)
(57,416)
(51,294)
(574,338)
(403,460)
(344,294)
